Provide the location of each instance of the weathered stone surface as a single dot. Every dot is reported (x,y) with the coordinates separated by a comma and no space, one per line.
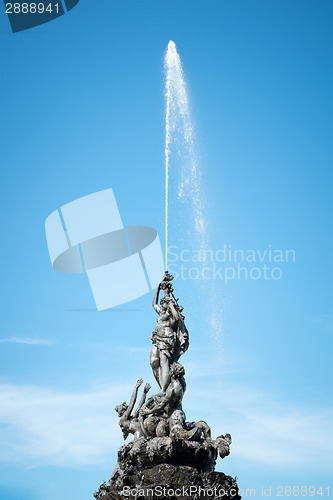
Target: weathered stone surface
(167,468)
(146,453)
(166,481)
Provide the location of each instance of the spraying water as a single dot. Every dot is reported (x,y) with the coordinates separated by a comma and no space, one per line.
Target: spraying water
(178,122)
(179,140)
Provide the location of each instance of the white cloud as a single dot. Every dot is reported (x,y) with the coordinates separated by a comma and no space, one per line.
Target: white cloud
(325,321)
(268,431)
(293,439)
(41,426)
(137,349)
(28,341)
(47,427)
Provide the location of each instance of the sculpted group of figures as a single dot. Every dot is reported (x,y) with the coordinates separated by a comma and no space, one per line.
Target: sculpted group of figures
(161,415)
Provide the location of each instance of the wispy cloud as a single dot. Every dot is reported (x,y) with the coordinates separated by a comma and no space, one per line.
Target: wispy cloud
(41,426)
(325,321)
(28,341)
(267,431)
(138,349)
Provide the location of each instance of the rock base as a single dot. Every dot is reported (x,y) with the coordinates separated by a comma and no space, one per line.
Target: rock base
(146,453)
(170,482)
(167,468)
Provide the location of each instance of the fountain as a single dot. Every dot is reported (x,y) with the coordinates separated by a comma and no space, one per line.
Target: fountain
(169,456)
(167,451)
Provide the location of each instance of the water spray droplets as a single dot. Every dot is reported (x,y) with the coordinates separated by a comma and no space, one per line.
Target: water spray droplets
(182,163)
(179,134)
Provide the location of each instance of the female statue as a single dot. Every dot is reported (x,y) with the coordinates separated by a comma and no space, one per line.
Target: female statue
(170,337)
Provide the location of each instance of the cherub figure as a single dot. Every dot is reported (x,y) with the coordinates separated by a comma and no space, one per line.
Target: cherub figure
(130,423)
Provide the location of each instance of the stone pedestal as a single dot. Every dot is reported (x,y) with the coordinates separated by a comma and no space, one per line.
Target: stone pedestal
(167,468)
(169,458)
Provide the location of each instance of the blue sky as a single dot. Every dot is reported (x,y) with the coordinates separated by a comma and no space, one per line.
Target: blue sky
(82,110)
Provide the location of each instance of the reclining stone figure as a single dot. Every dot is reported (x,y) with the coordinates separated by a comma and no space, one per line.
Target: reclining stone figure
(197,431)
(191,431)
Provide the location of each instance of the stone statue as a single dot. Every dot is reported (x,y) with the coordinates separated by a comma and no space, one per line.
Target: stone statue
(166,448)
(197,431)
(173,397)
(193,431)
(130,424)
(154,414)
(170,338)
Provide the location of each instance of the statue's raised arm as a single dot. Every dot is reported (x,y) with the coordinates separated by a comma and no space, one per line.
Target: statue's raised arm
(174,311)
(155,300)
